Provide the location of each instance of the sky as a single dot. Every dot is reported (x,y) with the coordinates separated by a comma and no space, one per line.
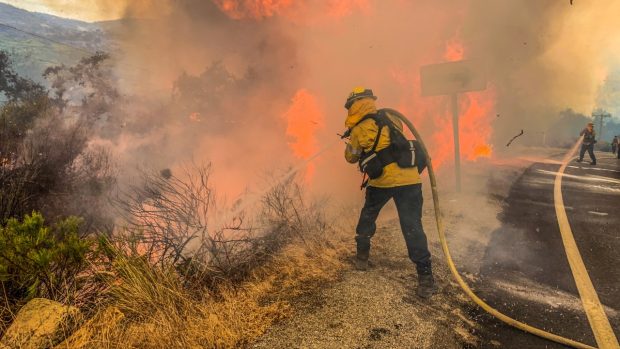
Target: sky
(84,10)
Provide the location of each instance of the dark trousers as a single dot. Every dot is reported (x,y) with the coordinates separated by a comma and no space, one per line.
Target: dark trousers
(408,201)
(590,149)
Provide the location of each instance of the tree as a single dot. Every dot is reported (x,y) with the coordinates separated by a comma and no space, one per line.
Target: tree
(13,86)
(87,85)
(565,130)
(46,163)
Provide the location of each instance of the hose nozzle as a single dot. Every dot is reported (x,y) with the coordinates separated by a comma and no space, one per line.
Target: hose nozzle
(346,134)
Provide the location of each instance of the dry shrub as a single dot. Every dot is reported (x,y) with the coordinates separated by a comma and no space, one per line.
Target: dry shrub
(160,313)
(166,307)
(168,218)
(165,212)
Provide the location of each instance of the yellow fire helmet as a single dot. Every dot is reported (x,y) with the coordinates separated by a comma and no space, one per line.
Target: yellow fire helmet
(358,93)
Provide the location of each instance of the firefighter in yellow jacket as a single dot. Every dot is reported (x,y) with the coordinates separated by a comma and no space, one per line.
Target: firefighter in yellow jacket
(404,185)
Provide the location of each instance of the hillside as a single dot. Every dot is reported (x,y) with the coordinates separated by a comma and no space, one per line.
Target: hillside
(69,40)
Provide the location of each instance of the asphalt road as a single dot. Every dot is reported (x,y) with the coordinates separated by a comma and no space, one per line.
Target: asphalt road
(525,272)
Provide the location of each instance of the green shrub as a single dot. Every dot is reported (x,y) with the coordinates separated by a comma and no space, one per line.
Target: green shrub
(41,261)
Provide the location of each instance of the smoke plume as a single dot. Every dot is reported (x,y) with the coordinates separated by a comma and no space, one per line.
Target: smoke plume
(255,85)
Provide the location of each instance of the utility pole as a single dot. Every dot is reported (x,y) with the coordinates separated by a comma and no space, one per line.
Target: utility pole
(601,114)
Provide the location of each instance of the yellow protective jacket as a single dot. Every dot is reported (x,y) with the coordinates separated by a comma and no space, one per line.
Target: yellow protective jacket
(363,138)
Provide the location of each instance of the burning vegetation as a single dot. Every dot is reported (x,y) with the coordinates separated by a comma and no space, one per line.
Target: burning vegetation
(129,181)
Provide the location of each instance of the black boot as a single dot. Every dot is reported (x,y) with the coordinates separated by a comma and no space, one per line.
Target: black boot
(426,286)
(361,260)
(593,163)
(361,264)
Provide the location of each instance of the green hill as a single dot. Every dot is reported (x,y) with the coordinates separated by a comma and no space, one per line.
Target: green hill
(36,41)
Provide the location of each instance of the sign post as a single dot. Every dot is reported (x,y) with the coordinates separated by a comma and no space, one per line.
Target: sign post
(457,144)
(451,79)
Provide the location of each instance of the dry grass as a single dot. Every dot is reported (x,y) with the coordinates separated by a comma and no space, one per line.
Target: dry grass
(149,308)
(225,291)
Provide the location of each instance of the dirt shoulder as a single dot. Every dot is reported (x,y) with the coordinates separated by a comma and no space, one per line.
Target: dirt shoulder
(378,308)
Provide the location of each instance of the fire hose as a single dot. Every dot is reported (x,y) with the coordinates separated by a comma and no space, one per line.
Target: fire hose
(446,250)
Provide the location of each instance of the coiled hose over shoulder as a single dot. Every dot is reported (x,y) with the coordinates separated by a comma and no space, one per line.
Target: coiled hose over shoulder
(446,250)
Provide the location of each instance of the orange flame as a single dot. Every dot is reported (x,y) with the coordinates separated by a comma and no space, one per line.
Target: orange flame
(195,117)
(454,50)
(475,124)
(294,10)
(483,151)
(476,113)
(343,8)
(257,9)
(475,116)
(304,118)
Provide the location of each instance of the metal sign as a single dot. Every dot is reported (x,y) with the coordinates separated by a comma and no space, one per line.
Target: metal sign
(452,77)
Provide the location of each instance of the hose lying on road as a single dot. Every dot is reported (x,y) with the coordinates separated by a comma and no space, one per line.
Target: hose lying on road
(444,245)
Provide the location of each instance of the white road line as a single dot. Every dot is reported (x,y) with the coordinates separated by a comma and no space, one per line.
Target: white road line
(540,160)
(594,169)
(599,213)
(592,178)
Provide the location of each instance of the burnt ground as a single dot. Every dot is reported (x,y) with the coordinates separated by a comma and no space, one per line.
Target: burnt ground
(524,271)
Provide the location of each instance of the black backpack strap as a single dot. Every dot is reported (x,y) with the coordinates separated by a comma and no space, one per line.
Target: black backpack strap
(374,146)
(372,162)
(386,119)
(385,154)
(366,117)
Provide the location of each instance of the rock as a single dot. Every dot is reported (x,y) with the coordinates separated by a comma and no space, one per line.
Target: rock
(40,324)
(100,324)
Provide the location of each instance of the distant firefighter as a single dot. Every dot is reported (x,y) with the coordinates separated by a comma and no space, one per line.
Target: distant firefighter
(589,139)
(614,145)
